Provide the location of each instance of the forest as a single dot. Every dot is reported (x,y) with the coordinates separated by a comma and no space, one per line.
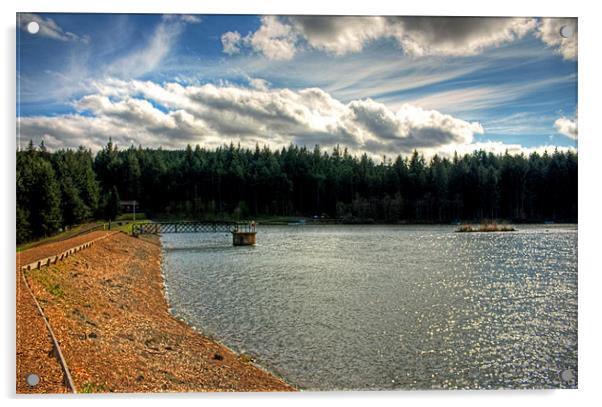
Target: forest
(67,187)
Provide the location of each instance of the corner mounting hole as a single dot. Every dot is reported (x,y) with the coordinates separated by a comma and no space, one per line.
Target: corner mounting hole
(33,27)
(32,379)
(566,31)
(567,376)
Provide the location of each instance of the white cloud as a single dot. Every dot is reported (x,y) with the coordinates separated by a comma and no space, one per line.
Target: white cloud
(457,36)
(147,58)
(189,18)
(278,37)
(276,40)
(409,128)
(340,35)
(497,148)
(417,36)
(474,98)
(549,30)
(258,83)
(173,115)
(281,37)
(49,28)
(567,127)
(231,42)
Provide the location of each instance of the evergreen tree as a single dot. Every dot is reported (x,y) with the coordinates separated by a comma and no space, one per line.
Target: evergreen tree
(57,189)
(38,196)
(113,207)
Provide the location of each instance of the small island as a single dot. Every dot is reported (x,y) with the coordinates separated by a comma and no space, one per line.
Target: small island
(485,227)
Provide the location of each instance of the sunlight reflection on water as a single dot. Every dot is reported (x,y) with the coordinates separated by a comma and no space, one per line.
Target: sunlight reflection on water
(387,307)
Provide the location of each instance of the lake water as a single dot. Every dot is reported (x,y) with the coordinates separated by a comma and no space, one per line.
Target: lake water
(387,307)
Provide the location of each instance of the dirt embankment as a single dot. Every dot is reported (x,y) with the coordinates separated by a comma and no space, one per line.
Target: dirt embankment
(33,345)
(107,309)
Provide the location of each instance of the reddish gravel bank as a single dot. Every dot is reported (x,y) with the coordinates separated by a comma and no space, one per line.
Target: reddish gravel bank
(108,311)
(33,344)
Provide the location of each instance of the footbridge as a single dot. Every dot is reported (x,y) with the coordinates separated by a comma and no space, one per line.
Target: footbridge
(243,233)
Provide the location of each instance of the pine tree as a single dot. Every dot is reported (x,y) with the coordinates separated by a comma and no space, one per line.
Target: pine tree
(113,206)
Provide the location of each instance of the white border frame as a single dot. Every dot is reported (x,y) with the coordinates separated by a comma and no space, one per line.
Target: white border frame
(589,194)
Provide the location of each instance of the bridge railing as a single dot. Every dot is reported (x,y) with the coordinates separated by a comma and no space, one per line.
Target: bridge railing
(193,227)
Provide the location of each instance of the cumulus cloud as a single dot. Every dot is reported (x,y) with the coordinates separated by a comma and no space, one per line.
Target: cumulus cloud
(279,37)
(258,83)
(340,35)
(231,42)
(274,39)
(567,127)
(410,127)
(49,28)
(417,36)
(172,115)
(549,30)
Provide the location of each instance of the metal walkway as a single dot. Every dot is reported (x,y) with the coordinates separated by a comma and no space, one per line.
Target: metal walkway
(192,227)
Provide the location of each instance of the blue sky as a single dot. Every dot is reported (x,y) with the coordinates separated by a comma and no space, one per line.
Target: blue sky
(374,84)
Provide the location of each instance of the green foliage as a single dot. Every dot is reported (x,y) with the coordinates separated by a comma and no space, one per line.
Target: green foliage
(93,388)
(54,190)
(24,231)
(38,195)
(130,216)
(79,189)
(47,278)
(112,208)
(73,208)
(230,182)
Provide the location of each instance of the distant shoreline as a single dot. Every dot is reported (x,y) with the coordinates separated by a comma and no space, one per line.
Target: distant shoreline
(308,220)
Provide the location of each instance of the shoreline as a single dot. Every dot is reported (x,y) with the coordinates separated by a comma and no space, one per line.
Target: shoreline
(198,330)
(110,313)
(363,222)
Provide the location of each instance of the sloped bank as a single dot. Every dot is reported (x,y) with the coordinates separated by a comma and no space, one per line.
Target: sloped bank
(109,313)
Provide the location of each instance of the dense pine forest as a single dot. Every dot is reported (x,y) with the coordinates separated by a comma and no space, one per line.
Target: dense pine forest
(67,187)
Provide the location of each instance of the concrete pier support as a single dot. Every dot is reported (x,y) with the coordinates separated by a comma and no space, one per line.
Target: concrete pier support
(243,238)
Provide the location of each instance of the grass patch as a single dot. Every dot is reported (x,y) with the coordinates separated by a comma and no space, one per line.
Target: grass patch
(56,290)
(246,358)
(93,388)
(126,226)
(130,216)
(47,280)
(71,232)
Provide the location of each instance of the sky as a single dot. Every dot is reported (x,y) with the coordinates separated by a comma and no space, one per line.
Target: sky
(377,85)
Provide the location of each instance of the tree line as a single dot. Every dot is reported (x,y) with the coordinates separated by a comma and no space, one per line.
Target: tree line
(66,187)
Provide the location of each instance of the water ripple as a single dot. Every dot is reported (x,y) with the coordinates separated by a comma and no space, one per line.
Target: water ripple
(344,307)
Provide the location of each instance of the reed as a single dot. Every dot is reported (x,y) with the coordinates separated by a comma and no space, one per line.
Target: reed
(485,227)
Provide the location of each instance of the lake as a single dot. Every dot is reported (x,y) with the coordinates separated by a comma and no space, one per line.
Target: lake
(387,307)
